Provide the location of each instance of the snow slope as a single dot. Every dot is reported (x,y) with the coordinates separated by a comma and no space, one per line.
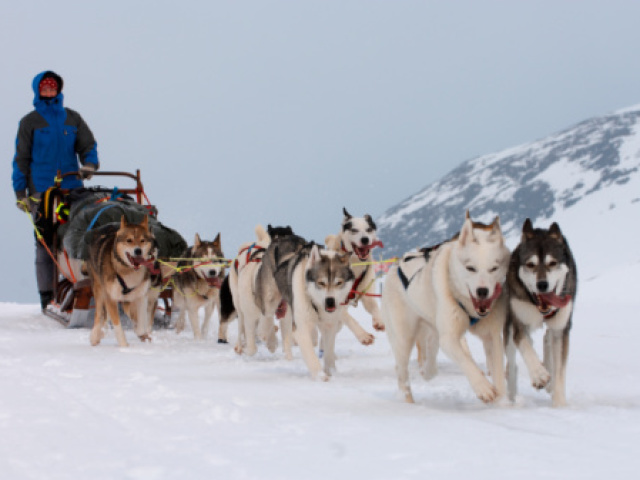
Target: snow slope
(180,409)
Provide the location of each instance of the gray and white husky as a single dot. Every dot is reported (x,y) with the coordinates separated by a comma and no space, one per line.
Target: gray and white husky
(250,253)
(357,238)
(542,283)
(433,296)
(198,286)
(314,283)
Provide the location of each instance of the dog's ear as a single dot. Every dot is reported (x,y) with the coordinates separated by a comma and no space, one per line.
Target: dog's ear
(466,234)
(197,241)
(314,256)
(145,222)
(527,230)
(347,216)
(495,226)
(370,221)
(467,215)
(216,241)
(554,232)
(123,222)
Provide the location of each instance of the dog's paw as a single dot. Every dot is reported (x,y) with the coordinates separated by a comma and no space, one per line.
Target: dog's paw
(322,377)
(96,335)
(145,337)
(238,349)
(95,338)
(485,391)
(222,340)
(180,326)
(558,401)
(378,324)
(428,371)
(540,377)
(367,338)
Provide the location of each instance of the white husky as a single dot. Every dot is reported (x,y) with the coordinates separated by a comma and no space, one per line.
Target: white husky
(242,279)
(434,296)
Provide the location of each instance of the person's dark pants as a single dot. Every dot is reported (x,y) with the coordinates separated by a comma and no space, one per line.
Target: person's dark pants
(44,274)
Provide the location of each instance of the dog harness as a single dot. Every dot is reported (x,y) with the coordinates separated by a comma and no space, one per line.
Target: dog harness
(354,289)
(425,253)
(472,320)
(125,289)
(252,252)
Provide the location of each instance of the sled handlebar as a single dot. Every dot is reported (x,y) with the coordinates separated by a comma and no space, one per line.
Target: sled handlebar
(138,191)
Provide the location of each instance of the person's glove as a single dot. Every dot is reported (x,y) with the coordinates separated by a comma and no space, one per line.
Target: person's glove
(86,171)
(24,203)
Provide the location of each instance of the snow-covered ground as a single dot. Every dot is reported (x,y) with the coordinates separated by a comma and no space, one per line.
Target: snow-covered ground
(179,409)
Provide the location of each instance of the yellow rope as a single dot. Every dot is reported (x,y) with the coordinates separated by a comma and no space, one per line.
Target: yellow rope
(390,260)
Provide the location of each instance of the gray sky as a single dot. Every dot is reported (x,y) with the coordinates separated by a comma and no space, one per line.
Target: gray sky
(283,112)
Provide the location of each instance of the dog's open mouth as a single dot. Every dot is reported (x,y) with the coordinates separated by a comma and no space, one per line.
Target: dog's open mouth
(214,282)
(546,302)
(135,261)
(483,306)
(363,251)
(139,261)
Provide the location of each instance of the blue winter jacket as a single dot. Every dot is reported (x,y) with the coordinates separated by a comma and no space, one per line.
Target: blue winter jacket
(51,138)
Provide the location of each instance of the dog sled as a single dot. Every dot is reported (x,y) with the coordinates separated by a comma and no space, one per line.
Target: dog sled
(65,224)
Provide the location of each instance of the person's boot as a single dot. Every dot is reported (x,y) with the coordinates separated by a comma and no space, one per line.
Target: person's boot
(45,298)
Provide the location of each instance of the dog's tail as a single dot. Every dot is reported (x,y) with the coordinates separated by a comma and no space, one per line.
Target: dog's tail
(261,234)
(227,309)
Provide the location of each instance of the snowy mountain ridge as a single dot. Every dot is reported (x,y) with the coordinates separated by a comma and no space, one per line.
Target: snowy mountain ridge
(597,158)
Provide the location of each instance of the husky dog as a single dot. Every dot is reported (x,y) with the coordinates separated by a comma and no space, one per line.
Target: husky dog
(116,256)
(198,285)
(259,298)
(435,295)
(358,238)
(542,283)
(241,279)
(248,252)
(315,283)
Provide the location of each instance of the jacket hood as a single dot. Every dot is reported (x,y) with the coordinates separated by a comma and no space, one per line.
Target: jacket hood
(36,83)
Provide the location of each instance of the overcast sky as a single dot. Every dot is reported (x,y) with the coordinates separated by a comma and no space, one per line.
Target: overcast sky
(283,112)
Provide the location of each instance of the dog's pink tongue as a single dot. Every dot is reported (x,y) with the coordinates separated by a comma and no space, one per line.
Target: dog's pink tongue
(554,300)
(482,306)
(377,243)
(214,282)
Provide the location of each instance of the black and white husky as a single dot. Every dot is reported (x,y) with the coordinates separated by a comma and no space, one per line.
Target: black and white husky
(435,295)
(314,283)
(542,282)
(357,238)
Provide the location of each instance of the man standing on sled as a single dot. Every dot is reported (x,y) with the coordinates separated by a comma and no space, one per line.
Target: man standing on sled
(50,138)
